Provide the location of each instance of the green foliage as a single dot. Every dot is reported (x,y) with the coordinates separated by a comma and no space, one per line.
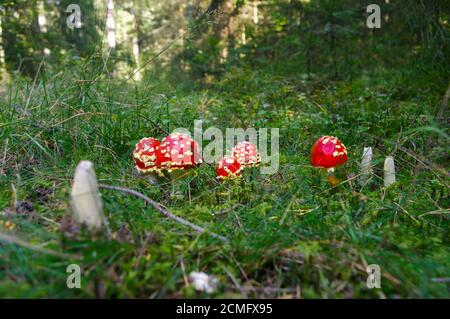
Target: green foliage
(310,70)
(286,231)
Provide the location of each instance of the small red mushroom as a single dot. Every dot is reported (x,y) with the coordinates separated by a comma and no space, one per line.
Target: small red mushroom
(329,152)
(145,155)
(246,154)
(178,151)
(228,168)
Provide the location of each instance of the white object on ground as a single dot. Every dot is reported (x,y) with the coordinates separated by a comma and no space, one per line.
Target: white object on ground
(366,165)
(389,171)
(85,198)
(203,282)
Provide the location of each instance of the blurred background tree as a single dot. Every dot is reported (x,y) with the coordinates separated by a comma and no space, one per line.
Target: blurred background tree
(201,38)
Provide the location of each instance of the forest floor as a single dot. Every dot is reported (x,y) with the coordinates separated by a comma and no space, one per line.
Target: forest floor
(291,235)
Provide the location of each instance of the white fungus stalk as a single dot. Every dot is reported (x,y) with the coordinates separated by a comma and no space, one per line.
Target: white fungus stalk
(389,171)
(366,165)
(85,198)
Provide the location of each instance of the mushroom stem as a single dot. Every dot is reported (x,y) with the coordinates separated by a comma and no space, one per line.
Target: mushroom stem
(331,177)
(366,166)
(175,177)
(86,203)
(153,178)
(389,171)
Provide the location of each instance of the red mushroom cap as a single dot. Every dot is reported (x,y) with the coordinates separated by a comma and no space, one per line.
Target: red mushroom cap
(178,151)
(228,168)
(328,152)
(145,155)
(246,154)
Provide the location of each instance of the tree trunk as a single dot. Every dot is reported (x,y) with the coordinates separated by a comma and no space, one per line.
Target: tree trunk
(255,13)
(226,24)
(110,26)
(135,40)
(42,19)
(3,73)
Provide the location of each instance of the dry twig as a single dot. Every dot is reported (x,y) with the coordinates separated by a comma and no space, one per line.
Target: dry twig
(162,210)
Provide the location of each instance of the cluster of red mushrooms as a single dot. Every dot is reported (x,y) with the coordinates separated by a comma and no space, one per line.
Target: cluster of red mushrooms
(244,154)
(178,151)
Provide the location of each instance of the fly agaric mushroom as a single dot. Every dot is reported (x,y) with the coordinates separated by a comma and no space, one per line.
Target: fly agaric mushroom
(228,168)
(145,155)
(246,154)
(178,151)
(328,152)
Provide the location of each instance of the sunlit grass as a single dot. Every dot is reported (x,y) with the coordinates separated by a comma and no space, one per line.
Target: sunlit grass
(291,234)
